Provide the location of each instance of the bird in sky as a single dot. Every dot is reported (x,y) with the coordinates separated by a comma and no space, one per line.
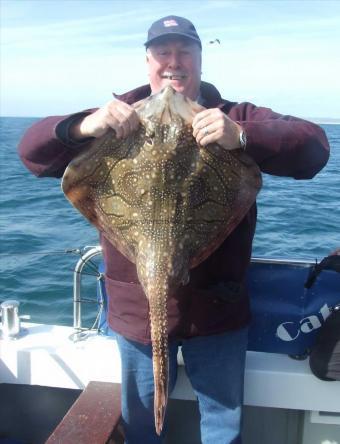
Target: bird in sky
(214,41)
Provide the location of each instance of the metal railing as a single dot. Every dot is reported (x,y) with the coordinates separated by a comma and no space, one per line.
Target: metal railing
(90,253)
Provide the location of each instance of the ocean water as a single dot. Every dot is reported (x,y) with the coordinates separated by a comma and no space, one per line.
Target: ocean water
(296,219)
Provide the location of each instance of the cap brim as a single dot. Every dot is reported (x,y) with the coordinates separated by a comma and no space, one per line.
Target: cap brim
(168,34)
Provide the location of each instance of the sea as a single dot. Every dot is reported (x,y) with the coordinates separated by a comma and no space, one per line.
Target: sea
(42,234)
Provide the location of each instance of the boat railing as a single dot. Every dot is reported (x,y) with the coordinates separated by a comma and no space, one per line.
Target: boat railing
(298,262)
(88,254)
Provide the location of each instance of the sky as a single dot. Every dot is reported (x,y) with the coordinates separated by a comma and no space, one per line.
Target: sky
(62,56)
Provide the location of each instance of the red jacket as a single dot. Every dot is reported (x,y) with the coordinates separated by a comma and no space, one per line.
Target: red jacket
(215,299)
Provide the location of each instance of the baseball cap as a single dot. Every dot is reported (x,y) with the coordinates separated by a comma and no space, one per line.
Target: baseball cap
(172,25)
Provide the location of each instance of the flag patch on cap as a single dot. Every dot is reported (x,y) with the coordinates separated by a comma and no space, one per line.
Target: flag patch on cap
(171,22)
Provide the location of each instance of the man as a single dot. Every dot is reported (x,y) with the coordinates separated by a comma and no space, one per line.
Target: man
(209,316)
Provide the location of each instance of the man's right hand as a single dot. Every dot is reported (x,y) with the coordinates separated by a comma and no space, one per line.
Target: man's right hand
(116,115)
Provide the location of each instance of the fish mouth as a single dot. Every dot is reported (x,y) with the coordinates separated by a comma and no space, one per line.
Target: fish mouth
(173,76)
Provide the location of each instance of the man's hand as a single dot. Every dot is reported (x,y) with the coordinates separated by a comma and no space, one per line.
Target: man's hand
(115,114)
(212,125)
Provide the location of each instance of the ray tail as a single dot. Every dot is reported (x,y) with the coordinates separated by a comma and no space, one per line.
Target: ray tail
(159,335)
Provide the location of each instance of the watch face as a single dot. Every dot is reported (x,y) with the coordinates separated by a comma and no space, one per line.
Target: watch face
(243,139)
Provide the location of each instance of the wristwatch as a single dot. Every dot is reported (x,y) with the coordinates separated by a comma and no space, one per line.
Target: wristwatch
(243,139)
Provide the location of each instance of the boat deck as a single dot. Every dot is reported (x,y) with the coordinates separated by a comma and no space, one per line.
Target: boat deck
(278,389)
(47,356)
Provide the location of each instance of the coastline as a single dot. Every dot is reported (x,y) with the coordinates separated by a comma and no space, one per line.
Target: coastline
(321,121)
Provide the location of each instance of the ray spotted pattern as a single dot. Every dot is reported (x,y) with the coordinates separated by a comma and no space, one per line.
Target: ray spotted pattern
(164,202)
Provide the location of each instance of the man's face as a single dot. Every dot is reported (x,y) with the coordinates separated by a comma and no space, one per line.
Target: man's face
(175,61)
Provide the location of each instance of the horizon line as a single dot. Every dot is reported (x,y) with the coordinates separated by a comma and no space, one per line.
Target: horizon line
(317,120)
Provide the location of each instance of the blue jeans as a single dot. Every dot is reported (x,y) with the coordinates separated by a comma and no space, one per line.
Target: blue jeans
(215,366)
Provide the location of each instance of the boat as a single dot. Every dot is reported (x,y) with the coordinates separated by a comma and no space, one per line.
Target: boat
(62,383)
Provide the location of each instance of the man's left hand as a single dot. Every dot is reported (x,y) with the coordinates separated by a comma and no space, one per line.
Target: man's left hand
(212,125)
